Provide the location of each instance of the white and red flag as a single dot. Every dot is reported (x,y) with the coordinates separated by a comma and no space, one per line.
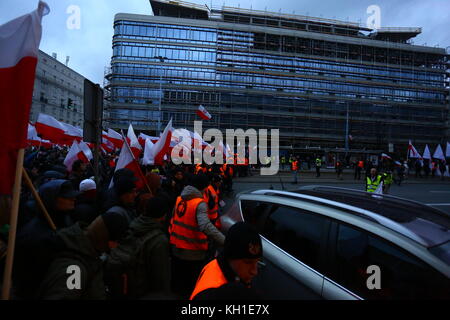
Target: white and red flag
(134,142)
(115,138)
(19,46)
(34,140)
(127,160)
(412,152)
(51,129)
(385,156)
(427,155)
(203,113)
(447,150)
(161,147)
(86,150)
(75,153)
(148,158)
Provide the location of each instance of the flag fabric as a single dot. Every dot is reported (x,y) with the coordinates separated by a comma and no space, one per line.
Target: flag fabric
(51,129)
(75,153)
(162,146)
(438,153)
(412,152)
(385,156)
(115,138)
(19,43)
(203,113)
(134,142)
(427,155)
(379,189)
(72,133)
(148,158)
(127,160)
(86,150)
(34,140)
(447,150)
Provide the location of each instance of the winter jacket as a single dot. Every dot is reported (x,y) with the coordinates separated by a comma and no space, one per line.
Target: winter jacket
(204,224)
(79,252)
(142,259)
(36,243)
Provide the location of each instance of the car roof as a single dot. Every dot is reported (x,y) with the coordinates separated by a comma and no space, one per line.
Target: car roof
(425,225)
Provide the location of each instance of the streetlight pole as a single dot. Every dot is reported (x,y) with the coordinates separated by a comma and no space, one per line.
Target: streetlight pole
(346,133)
(161,59)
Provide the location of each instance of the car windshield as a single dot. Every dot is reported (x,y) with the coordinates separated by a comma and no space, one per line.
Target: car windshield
(442,252)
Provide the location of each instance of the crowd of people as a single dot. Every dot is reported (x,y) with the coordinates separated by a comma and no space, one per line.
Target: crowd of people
(124,242)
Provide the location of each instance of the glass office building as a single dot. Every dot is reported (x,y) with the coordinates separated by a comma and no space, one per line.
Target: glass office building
(317,80)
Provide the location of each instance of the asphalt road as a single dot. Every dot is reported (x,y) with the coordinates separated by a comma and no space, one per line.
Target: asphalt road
(435,193)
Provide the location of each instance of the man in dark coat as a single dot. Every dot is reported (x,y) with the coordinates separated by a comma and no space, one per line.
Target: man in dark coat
(142,259)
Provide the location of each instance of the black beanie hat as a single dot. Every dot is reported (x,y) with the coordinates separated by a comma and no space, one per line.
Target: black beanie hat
(242,242)
(200,181)
(157,207)
(124,184)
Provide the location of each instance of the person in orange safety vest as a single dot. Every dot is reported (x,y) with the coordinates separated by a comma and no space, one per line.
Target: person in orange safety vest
(237,264)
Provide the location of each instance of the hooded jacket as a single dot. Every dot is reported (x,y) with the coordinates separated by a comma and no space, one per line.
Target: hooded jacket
(204,224)
(144,255)
(36,243)
(79,252)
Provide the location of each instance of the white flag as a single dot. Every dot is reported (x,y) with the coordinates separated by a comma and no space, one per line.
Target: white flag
(379,189)
(439,154)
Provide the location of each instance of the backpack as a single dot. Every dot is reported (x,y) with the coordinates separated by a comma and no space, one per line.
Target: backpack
(125,270)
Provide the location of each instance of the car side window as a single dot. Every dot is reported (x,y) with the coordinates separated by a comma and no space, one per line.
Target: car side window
(298,232)
(255,213)
(402,276)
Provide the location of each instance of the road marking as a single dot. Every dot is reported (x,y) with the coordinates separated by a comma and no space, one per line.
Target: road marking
(440,191)
(438,204)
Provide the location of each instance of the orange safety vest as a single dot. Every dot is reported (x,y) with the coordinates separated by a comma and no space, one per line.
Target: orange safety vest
(184,231)
(294,165)
(213,213)
(210,277)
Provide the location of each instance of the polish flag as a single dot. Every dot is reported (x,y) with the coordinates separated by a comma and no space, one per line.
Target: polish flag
(385,156)
(412,152)
(148,158)
(34,140)
(447,150)
(19,43)
(438,153)
(72,133)
(86,150)
(143,137)
(203,113)
(161,147)
(134,142)
(115,138)
(75,153)
(427,155)
(51,129)
(127,160)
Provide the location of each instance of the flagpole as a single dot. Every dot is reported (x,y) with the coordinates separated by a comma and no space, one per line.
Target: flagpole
(137,163)
(38,199)
(13,226)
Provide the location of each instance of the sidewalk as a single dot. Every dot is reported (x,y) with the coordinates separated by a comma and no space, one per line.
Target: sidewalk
(327,176)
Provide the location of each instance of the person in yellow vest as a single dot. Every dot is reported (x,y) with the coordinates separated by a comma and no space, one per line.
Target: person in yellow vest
(295,167)
(190,231)
(318,166)
(237,264)
(373,180)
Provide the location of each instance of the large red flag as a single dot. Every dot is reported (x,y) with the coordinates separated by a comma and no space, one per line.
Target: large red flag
(19,43)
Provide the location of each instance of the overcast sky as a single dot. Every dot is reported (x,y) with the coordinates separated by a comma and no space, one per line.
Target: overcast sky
(89,47)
